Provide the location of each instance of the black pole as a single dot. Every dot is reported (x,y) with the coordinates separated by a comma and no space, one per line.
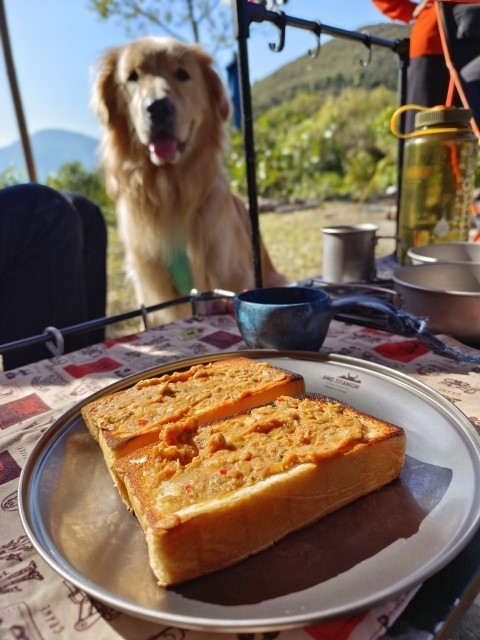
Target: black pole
(258,13)
(241,25)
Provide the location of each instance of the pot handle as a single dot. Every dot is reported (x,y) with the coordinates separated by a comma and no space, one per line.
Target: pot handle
(405,324)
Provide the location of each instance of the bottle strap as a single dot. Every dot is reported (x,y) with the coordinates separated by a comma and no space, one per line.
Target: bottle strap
(450,92)
(416,134)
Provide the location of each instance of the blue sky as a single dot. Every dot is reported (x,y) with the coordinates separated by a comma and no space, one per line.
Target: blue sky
(56,42)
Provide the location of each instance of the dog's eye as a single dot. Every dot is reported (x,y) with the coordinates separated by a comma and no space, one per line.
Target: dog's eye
(181,74)
(133,77)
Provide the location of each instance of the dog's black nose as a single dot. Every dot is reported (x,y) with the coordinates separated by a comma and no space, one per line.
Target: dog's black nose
(160,110)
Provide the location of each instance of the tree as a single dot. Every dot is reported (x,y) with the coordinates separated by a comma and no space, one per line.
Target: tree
(204,21)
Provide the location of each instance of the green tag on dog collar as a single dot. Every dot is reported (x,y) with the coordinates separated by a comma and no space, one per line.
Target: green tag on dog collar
(181,273)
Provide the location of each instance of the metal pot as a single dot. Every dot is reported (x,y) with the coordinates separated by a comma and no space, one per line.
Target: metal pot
(451,252)
(447,294)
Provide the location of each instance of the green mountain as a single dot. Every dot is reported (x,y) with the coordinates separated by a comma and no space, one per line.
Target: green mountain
(338,66)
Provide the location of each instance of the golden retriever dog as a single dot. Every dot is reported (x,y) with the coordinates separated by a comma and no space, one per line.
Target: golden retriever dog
(163,109)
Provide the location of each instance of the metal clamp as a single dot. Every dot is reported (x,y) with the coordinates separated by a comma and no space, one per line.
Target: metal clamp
(210,303)
(57,347)
(144,313)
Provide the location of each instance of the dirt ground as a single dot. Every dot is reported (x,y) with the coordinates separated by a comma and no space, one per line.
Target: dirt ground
(295,239)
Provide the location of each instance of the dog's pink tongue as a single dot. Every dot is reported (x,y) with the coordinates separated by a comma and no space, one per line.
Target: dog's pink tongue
(164,147)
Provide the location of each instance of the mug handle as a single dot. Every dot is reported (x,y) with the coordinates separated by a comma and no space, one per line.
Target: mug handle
(405,324)
(395,321)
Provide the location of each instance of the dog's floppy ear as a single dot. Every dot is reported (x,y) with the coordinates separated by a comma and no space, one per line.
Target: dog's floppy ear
(104,98)
(217,91)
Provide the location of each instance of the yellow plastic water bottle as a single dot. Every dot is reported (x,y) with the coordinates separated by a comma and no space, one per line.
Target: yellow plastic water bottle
(440,159)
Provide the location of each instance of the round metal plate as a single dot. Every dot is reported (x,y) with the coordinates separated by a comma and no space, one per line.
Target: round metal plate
(360,556)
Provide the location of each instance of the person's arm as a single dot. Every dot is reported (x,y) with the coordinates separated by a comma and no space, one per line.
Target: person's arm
(402,10)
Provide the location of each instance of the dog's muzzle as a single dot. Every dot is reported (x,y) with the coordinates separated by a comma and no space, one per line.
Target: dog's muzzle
(163,144)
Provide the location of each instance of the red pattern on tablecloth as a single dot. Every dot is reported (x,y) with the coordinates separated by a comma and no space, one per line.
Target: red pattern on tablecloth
(9,469)
(404,351)
(221,339)
(19,410)
(122,340)
(96,366)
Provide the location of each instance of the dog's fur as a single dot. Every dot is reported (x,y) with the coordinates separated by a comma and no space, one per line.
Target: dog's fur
(163,110)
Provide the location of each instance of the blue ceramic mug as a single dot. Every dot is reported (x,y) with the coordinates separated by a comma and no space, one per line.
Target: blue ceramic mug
(294,318)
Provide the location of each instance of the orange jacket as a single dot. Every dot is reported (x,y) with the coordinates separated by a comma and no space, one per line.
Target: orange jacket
(425,36)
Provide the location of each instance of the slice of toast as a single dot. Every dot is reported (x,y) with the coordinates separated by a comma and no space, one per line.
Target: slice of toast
(285,465)
(127,420)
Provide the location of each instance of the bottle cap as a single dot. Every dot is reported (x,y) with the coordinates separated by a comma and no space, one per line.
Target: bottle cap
(450,116)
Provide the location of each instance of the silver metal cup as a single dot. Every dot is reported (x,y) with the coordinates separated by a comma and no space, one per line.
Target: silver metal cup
(349,253)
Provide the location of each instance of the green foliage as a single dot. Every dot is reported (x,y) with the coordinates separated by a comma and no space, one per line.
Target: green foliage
(75,178)
(205,21)
(11,176)
(312,149)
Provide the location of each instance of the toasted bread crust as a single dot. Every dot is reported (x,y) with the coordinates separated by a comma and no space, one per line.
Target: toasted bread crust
(214,524)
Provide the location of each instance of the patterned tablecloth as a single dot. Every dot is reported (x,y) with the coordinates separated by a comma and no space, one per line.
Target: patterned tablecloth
(35,602)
